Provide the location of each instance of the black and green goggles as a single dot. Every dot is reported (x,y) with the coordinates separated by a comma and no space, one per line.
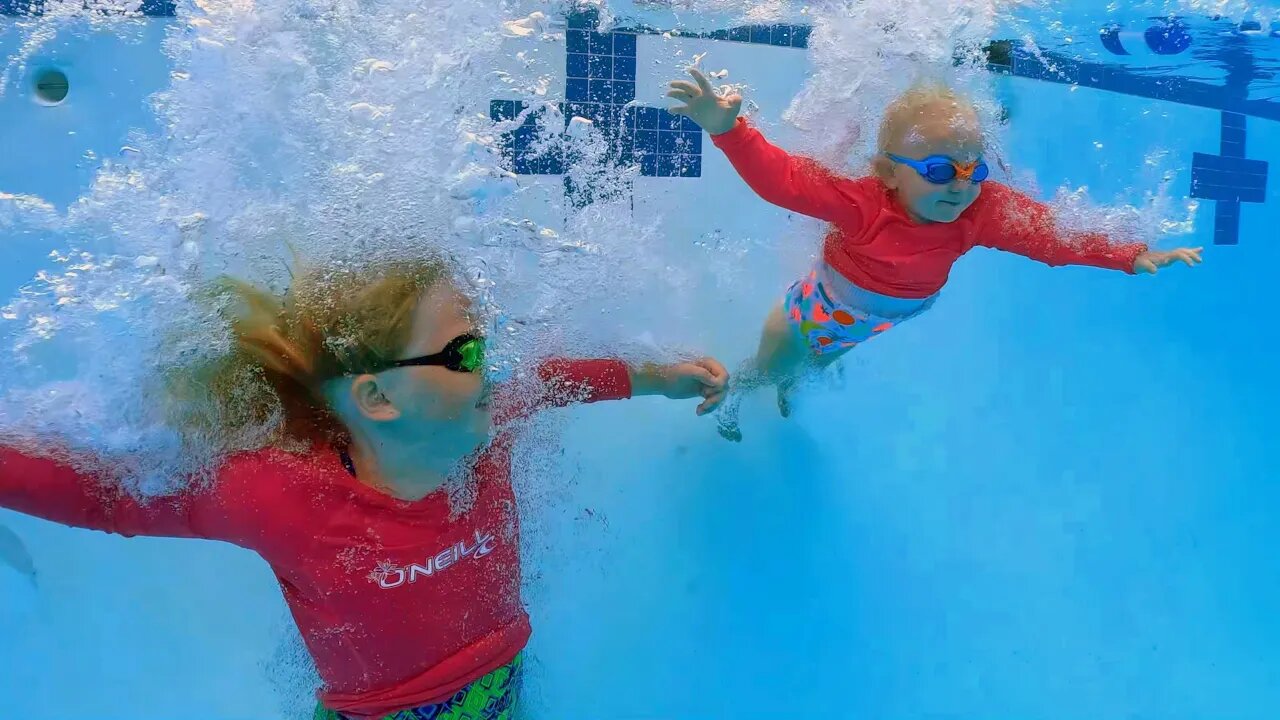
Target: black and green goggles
(464,353)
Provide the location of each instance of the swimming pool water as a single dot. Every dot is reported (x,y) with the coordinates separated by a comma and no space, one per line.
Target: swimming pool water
(1052,496)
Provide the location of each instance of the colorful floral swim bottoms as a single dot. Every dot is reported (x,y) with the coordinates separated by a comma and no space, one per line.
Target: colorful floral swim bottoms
(492,697)
(829,326)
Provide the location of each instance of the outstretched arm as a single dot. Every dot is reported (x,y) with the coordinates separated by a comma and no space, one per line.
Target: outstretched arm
(1151,261)
(54,488)
(1016,223)
(796,183)
(563,382)
(705,378)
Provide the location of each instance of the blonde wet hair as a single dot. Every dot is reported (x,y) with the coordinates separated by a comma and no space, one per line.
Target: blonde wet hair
(909,110)
(268,387)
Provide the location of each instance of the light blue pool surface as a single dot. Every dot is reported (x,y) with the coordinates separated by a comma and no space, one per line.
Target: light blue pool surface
(1052,496)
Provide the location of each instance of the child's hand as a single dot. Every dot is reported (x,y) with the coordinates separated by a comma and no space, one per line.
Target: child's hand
(1152,260)
(713,113)
(705,378)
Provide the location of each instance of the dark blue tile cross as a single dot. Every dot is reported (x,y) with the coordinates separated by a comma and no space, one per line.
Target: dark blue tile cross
(600,86)
(1228,178)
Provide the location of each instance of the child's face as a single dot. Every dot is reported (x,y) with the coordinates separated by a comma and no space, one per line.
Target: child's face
(442,413)
(947,132)
(440,396)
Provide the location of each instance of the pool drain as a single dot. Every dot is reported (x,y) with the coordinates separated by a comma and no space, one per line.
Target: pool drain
(51,86)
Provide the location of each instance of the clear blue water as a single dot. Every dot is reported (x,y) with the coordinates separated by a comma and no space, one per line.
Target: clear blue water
(1051,496)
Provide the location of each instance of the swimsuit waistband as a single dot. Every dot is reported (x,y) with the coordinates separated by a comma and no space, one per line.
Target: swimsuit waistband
(844,292)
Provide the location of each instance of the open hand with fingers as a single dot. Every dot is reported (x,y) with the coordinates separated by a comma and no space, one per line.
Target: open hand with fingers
(1152,260)
(703,377)
(712,112)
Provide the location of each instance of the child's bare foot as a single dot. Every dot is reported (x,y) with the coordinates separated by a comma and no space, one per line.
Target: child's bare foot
(727,416)
(785,388)
(746,379)
(729,430)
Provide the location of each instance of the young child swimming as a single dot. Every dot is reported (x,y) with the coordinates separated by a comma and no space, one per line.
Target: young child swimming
(410,607)
(894,235)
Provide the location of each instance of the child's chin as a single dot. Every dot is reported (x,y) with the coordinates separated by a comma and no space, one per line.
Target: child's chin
(946,212)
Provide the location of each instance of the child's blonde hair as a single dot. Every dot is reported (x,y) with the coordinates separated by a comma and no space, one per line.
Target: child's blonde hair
(330,322)
(905,114)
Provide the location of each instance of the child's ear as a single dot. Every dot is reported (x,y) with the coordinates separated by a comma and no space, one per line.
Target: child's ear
(371,400)
(882,167)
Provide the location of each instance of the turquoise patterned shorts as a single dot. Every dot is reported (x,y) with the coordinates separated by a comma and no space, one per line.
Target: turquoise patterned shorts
(830,327)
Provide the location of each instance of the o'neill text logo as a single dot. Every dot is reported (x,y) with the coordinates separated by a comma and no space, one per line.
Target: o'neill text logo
(388,575)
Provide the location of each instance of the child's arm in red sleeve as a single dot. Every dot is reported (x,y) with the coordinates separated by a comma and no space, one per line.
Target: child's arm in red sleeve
(562,382)
(54,489)
(796,183)
(566,382)
(1016,223)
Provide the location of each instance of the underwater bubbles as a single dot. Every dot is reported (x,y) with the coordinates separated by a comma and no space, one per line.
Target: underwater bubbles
(291,133)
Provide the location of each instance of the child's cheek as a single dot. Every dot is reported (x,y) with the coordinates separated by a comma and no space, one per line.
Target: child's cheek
(921,195)
(974,192)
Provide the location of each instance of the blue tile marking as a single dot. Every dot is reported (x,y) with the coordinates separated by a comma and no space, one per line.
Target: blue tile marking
(1228,178)
(1226,224)
(1233,134)
(600,75)
(517,146)
(600,86)
(1214,177)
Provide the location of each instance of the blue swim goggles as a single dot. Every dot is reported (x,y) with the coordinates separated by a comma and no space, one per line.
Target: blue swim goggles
(940,169)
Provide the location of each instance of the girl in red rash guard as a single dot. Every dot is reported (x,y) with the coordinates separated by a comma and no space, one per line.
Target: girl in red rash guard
(894,234)
(409,607)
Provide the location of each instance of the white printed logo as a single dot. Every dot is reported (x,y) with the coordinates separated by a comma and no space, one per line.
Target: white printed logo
(388,575)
